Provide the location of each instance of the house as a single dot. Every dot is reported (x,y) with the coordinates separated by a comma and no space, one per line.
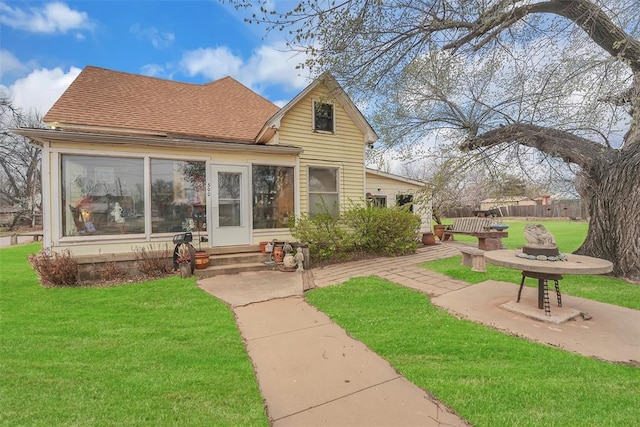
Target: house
(499,202)
(130,160)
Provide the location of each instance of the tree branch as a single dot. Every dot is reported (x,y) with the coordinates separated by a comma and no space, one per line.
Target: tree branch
(569,147)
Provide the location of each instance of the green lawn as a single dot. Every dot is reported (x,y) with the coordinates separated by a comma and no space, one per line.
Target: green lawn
(488,377)
(569,236)
(159,353)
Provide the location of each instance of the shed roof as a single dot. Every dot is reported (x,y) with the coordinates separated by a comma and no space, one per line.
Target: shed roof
(113,100)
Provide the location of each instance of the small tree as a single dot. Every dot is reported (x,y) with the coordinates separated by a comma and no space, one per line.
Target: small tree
(20,164)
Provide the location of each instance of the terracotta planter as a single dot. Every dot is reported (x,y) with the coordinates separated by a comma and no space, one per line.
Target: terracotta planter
(263,247)
(428,238)
(202,260)
(278,254)
(439,230)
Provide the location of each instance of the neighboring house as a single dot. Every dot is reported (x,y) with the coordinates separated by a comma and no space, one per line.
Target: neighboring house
(130,160)
(492,203)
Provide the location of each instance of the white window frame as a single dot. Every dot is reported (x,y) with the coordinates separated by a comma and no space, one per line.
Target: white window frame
(309,192)
(313,117)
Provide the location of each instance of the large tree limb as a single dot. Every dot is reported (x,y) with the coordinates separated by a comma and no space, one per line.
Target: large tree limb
(557,143)
(591,18)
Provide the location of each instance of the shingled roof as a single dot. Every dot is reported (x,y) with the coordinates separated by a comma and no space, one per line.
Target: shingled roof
(223,109)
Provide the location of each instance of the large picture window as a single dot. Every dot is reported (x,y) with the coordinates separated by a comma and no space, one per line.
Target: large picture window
(102,195)
(323,191)
(178,201)
(273,196)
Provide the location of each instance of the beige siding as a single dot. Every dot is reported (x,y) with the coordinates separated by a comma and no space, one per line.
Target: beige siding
(377,185)
(343,149)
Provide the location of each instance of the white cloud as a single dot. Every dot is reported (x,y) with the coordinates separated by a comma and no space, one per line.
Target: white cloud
(158,40)
(9,64)
(154,70)
(51,18)
(212,63)
(268,65)
(40,89)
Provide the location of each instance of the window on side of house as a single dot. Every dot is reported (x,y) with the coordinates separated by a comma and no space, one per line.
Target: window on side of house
(323,117)
(405,200)
(178,201)
(273,196)
(379,201)
(102,195)
(324,196)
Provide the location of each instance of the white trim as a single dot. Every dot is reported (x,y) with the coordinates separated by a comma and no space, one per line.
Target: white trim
(273,124)
(296,188)
(315,101)
(146,177)
(393,177)
(339,189)
(45,174)
(56,202)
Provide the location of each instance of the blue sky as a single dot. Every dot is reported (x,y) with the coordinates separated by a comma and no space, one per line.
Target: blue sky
(45,44)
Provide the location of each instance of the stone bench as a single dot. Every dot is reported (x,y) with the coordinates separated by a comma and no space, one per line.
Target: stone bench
(474,258)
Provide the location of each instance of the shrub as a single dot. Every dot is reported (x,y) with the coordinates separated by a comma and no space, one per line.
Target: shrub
(360,229)
(112,272)
(55,269)
(385,231)
(154,262)
(326,236)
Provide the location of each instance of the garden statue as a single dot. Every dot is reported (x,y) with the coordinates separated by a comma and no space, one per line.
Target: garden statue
(117,213)
(299,258)
(539,241)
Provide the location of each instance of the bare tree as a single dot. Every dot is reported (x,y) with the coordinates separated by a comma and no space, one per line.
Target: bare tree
(20,165)
(560,78)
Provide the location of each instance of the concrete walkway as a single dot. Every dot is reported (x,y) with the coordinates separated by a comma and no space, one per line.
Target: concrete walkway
(311,372)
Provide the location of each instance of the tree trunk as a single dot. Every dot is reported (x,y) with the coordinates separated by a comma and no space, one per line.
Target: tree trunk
(613,195)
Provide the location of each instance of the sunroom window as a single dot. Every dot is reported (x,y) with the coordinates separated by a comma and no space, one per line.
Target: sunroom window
(102,195)
(323,191)
(273,196)
(178,201)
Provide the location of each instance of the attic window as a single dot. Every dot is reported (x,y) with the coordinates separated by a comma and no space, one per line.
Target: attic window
(323,117)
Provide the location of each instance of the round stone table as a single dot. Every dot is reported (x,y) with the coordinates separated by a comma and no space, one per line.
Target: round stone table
(548,270)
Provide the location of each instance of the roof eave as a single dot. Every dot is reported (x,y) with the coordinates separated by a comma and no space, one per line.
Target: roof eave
(50,135)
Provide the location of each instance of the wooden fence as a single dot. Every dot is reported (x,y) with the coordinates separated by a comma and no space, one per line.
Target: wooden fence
(573,209)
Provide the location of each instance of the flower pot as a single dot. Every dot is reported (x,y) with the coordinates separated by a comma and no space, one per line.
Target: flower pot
(428,238)
(438,229)
(202,260)
(289,261)
(263,247)
(278,254)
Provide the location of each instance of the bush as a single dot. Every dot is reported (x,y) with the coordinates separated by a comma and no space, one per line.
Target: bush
(359,230)
(327,237)
(154,262)
(112,272)
(385,231)
(55,269)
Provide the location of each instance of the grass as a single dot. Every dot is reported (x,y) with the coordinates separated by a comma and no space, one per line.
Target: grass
(569,236)
(490,378)
(159,353)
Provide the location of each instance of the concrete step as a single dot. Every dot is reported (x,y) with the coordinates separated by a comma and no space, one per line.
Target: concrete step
(233,269)
(237,258)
